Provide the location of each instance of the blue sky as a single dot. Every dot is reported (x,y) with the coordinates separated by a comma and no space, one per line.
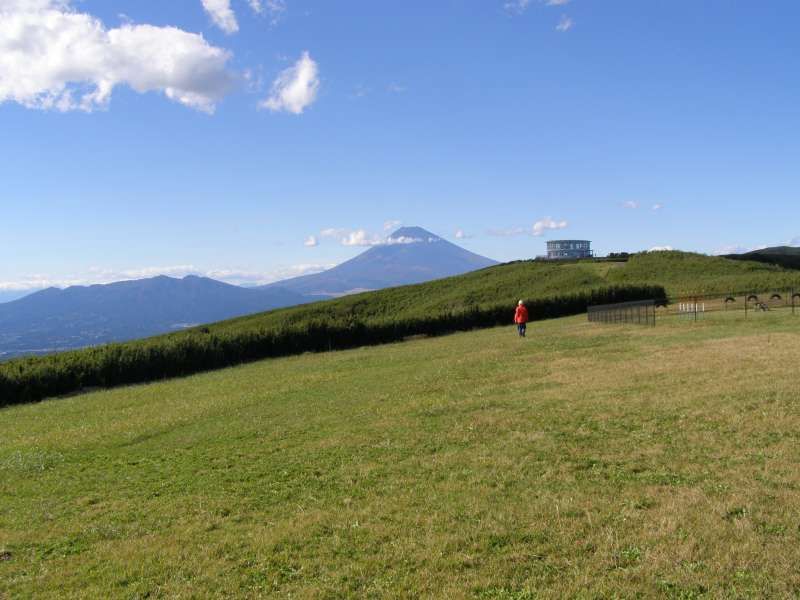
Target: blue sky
(138,147)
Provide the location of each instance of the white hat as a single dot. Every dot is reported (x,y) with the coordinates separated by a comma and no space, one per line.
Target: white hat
(521,303)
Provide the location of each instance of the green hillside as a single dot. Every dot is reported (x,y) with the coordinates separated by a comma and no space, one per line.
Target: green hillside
(687,273)
(678,272)
(586,461)
(479,299)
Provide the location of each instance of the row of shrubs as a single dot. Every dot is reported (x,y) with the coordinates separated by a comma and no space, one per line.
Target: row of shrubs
(203,349)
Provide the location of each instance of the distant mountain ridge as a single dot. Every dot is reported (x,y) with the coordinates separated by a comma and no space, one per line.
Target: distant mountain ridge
(776,250)
(787,257)
(78,316)
(409,255)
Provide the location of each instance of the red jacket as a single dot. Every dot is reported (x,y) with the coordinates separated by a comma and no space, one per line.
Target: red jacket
(521,316)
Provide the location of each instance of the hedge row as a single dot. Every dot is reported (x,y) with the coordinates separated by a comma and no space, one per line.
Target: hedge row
(201,349)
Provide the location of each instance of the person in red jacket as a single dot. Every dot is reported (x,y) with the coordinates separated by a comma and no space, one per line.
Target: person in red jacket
(521,318)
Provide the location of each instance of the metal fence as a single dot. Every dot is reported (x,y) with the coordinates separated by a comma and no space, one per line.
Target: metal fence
(642,312)
(694,307)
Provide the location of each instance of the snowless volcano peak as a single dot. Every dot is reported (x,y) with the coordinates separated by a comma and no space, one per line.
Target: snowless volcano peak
(409,255)
(411,235)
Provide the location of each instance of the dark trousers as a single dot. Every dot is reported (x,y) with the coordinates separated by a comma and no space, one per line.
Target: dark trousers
(521,327)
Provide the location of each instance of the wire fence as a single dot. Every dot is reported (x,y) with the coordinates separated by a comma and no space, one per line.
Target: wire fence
(745,304)
(694,307)
(641,312)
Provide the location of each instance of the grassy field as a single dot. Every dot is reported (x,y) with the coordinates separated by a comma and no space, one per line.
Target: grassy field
(585,461)
(478,299)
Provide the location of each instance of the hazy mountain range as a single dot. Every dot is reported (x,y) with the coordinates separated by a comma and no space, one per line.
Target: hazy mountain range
(58,319)
(78,316)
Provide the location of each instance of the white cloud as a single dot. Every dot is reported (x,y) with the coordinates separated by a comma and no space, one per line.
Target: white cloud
(355,237)
(274,8)
(38,282)
(360,237)
(403,239)
(565,24)
(31,5)
(296,88)
(311,241)
(391,225)
(661,249)
(332,232)
(364,238)
(517,6)
(396,88)
(631,204)
(506,232)
(730,249)
(250,278)
(462,235)
(94,276)
(144,272)
(290,271)
(360,91)
(222,15)
(101,276)
(548,224)
(538,229)
(520,6)
(52,57)
(737,249)
(657,206)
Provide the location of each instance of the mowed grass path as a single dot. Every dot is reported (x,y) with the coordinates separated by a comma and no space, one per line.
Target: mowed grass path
(586,461)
